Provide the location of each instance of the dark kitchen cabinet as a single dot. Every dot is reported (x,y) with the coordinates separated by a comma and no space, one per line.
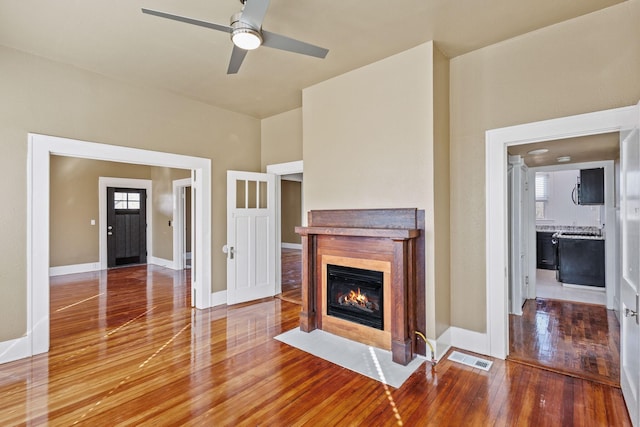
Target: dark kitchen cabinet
(581,262)
(591,189)
(545,250)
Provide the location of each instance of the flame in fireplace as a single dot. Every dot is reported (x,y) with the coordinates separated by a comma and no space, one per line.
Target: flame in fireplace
(358,300)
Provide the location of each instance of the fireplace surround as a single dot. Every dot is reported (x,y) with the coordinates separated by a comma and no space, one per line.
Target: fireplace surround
(387,241)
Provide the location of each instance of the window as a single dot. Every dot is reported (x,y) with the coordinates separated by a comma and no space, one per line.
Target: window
(542,186)
(126,200)
(542,194)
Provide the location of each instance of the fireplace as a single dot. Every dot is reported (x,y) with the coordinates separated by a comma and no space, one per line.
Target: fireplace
(381,312)
(356,295)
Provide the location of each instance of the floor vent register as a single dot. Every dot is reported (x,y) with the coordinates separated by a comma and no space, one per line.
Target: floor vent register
(473,361)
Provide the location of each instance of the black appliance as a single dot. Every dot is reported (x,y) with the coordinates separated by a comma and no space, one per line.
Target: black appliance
(581,259)
(589,190)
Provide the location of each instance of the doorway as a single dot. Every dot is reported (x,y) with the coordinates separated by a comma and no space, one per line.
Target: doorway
(497,141)
(561,325)
(293,171)
(126,226)
(40,149)
(624,120)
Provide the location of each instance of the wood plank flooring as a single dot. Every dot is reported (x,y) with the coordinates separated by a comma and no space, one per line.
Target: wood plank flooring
(577,339)
(291,276)
(127,349)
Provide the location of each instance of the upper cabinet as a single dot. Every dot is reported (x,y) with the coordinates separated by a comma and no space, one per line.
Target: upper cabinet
(591,187)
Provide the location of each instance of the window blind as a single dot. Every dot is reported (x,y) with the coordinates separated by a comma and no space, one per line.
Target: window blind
(542,186)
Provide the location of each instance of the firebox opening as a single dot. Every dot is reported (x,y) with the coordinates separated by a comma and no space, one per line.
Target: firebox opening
(356,295)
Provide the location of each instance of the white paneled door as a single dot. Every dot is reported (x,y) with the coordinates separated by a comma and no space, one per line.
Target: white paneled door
(630,278)
(251,240)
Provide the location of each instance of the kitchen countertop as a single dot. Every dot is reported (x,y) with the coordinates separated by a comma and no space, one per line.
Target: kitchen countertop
(574,228)
(572,231)
(560,235)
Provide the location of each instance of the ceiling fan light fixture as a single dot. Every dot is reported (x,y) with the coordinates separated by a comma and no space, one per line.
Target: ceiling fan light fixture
(246,38)
(538,151)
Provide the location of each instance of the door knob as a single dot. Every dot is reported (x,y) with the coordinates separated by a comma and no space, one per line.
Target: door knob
(630,313)
(109,227)
(228,250)
(109,233)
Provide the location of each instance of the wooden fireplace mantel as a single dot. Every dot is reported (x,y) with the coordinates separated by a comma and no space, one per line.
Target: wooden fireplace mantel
(390,233)
(395,236)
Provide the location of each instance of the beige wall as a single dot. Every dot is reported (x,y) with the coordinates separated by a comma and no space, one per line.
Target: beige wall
(162,213)
(281,138)
(74,203)
(441,195)
(291,208)
(368,142)
(587,64)
(50,98)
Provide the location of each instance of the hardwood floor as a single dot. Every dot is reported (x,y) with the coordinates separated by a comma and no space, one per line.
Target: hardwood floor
(291,276)
(127,349)
(577,339)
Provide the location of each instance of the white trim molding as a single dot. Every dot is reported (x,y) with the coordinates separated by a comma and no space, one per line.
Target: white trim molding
(468,340)
(279,170)
(74,268)
(161,262)
(40,148)
(292,246)
(289,168)
(218,298)
(179,187)
(497,140)
(15,349)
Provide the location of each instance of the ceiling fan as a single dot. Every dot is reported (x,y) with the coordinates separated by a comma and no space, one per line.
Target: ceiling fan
(247,33)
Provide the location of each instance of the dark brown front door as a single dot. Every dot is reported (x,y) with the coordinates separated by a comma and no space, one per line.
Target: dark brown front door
(126,226)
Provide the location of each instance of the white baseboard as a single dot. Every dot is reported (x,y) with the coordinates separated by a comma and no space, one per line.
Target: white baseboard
(11,350)
(443,344)
(469,340)
(291,246)
(75,268)
(95,266)
(161,262)
(218,298)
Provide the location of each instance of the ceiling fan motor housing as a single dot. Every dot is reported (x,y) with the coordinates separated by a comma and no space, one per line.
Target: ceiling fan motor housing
(244,31)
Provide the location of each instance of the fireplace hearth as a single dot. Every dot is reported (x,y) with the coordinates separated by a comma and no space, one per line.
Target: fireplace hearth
(356,295)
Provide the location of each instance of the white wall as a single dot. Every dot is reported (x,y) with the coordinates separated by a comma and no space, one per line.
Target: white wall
(560,208)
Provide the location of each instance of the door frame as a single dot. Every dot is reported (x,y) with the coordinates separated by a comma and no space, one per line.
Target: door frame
(40,149)
(520,218)
(280,169)
(496,143)
(137,184)
(179,186)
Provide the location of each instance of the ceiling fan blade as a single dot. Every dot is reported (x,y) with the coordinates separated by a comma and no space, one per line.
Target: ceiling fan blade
(254,11)
(278,41)
(237,56)
(192,21)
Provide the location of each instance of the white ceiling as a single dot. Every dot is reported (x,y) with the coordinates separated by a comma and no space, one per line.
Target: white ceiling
(115,39)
